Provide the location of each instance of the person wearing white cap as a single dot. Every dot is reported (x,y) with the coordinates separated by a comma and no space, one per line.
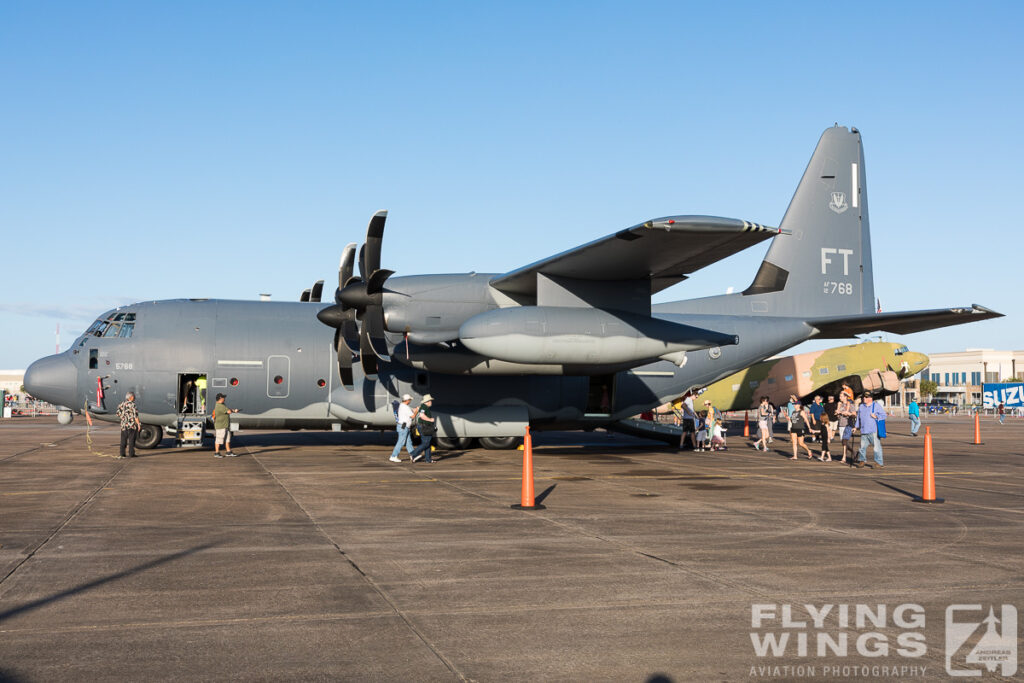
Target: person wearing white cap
(427,428)
(403,428)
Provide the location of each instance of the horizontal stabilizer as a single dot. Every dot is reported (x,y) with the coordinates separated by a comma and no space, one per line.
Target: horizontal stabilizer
(900,322)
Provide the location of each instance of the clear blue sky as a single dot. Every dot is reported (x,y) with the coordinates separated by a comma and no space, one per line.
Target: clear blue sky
(223,149)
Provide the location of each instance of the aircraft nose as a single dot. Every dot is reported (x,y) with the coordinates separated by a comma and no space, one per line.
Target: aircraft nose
(916,362)
(53,379)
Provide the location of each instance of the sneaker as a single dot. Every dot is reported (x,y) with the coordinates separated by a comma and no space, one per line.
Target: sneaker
(418,458)
(860,464)
(878,466)
(217,455)
(230,454)
(394,459)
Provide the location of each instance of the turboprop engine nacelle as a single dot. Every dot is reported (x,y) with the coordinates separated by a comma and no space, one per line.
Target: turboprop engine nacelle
(556,334)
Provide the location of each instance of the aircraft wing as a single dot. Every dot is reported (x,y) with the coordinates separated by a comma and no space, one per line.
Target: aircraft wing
(900,322)
(664,251)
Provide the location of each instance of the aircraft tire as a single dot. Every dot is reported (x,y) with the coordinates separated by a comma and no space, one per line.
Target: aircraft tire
(149,436)
(499,443)
(454,443)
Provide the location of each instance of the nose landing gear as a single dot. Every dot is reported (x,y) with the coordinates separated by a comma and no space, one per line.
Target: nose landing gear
(150,436)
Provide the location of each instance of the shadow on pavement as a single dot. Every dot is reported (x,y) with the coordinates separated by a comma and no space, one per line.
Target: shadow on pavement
(896,489)
(539,498)
(35,604)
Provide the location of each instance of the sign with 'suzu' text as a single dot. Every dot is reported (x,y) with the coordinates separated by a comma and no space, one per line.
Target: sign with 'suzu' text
(1010,395)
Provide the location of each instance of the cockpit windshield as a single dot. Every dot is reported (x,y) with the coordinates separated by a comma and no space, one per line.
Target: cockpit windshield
(114,325)
(901,350)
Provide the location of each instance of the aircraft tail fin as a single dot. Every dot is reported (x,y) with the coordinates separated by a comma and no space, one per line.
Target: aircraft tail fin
(824,266)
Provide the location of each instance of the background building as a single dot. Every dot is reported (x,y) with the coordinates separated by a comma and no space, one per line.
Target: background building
(960,374)
(11,381)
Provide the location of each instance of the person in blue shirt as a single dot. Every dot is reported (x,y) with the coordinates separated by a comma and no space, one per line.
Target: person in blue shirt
(914,413)
(868,416)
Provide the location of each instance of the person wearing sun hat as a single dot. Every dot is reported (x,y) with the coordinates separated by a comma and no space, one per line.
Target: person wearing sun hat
(427,428)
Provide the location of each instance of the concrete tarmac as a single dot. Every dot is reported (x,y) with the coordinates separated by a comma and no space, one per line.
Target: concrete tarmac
(311,557)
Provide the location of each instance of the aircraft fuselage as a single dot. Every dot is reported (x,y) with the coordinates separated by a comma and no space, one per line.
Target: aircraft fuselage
(275,362)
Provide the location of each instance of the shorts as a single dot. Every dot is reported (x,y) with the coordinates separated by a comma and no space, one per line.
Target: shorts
(220,436)
(834,425)
(847,433)
(688,427)
(799,431)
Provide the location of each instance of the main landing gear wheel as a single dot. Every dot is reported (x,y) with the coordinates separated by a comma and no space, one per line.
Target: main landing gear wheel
(454,443)
(499,443)
(149,436)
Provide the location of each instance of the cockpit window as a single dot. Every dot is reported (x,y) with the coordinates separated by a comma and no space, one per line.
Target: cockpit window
(901,350)
(114,325)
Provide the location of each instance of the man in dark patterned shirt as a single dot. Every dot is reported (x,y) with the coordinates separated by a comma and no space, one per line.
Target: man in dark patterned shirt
(130,424)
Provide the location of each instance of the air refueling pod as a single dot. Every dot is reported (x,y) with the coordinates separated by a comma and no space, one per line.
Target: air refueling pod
(561,334)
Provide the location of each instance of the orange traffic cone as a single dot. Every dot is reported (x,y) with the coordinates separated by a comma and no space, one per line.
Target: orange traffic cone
(928,479)
(528,502)
(746,423)
(977,430)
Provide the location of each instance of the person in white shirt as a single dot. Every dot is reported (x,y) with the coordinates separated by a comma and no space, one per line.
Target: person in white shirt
(403,429)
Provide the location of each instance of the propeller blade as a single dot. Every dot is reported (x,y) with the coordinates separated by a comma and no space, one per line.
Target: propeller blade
(350,334)
(374,240)
(373,325)
(362,261)
(366,355)
(348,257)
(375,285)
(305,295)
(344,362)
(318,289)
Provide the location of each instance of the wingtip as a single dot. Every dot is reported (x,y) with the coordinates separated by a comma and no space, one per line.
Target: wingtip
(987,311)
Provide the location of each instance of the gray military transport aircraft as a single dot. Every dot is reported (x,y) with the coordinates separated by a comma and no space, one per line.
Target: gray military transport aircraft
(568,342)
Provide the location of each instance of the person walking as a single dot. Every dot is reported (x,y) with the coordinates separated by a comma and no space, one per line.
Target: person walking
(799,427)
(847,414)
(427,427)
(868,416)
(914,413)
(764,424)
(832,416)
(403,428)
(818,411)
(790,407)
(222,427)
(128,413)
(687,419)
(1002,412)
